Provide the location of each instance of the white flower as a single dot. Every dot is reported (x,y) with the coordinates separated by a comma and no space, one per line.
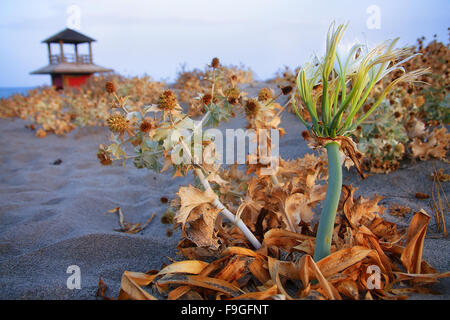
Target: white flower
(348,58)
(307,78)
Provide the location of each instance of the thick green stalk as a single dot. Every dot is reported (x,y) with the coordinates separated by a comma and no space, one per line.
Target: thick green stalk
(328,216)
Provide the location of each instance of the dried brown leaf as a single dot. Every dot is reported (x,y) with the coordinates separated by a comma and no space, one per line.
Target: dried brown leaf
(274,271)
(102,287)
(348,288)
(257,269)
(436,145)
(412,254)
(361,210)
(131,286)
(309,270)
(233,270)
(178,292)
(259,295)
(342,259)
(204,282)
(190,198)
(186,266)
(421,195)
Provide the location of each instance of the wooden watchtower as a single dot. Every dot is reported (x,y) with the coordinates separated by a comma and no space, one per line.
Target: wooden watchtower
(69,69)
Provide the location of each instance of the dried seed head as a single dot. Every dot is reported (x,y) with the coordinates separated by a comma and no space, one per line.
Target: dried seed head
(232,95)
(286,90)
(397,114)
(366,107)
(251,107)
(207,98)
(215,63)
(420,100)
(407,101)
(110,87)
(164,199)
(145,126)
(399,148)
(104,157)
(167,100)
(117,123)
(234,78)
(305,135)
(264,94)
(168,217)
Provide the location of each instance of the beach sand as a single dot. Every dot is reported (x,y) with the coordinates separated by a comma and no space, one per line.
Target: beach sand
(54,216)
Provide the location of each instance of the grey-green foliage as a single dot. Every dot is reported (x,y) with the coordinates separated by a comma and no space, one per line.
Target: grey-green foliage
(381,136)
(218,113)
(148,155)
(436,108)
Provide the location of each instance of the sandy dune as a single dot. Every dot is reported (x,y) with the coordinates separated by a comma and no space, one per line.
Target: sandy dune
(53,216)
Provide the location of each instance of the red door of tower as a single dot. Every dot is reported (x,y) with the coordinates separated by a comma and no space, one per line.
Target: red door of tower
(77,80)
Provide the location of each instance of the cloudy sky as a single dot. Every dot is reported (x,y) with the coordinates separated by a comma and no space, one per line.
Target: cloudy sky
(156,37)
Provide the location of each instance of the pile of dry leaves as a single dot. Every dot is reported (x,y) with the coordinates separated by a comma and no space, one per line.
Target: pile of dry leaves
(370,257)
(283,268)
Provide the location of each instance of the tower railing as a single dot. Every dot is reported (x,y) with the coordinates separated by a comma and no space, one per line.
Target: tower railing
(70,58)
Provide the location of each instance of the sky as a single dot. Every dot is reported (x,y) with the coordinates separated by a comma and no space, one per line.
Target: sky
(157,37)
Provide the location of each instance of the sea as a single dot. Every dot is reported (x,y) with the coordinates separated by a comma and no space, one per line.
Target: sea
(5,92)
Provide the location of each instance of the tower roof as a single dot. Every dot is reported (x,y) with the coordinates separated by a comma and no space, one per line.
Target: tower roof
(71,68)
(69,36)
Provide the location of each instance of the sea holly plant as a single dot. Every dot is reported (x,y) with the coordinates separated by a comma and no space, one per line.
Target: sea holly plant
(163,136)
(346,78)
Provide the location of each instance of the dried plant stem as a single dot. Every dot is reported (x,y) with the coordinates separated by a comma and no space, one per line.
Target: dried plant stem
(283,107)
(273,99)
(229,215)
(121,102)
(437,205)
(219,205)
(213,83)
(328,216)
(274,179)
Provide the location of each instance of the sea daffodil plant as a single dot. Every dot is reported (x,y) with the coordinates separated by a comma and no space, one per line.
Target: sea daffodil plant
(347,77)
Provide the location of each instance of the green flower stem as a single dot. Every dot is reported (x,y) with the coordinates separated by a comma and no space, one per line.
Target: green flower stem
(337,118)
(326,114)
(328,216)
